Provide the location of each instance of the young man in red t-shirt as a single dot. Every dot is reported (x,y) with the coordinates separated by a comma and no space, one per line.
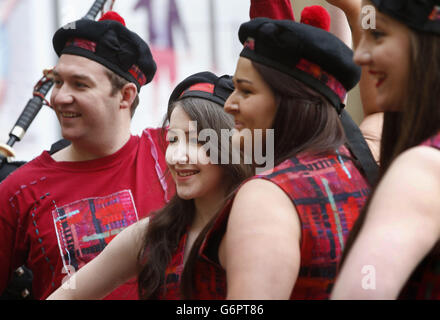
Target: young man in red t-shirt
(58,211)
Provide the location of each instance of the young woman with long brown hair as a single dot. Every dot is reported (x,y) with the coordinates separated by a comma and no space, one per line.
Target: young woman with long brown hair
(394,249)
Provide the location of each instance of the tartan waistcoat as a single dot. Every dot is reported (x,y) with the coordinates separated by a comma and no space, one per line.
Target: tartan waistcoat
(424,282)
(328,193)
(173,274)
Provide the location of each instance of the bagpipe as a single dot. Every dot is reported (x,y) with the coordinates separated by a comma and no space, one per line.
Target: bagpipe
(20,286)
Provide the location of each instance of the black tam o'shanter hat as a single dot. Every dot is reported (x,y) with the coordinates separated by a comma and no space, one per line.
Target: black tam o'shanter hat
(307,53)
(110,43)
(420,15)
(205,85)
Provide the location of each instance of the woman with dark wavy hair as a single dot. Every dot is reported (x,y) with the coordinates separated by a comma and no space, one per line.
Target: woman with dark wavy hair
(394,248)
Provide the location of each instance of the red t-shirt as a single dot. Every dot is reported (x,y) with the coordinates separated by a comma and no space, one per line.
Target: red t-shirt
(57,216)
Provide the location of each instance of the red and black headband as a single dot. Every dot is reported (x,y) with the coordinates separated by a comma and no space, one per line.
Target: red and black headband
(205,85)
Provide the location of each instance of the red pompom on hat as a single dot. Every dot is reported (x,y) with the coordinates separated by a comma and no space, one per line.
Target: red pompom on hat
(316,16)
(112,15)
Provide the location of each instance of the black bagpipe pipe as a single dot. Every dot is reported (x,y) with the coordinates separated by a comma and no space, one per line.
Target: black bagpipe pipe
(36,102)
(20,286)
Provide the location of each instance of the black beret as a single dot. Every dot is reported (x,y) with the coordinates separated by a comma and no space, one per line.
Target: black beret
(309,54)
(204,85)
(420,15)
(111,44)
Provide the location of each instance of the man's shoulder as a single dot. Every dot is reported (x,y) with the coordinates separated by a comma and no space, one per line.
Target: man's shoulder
(29,171)
(153,133)
(155,138)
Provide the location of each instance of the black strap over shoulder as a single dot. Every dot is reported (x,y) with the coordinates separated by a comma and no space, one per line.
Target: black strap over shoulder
(57,146)
(359,148)
(8,167)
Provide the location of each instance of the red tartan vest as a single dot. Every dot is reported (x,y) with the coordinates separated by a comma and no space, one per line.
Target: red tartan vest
(424,282)
(173,273)
(328,193)
(211,287)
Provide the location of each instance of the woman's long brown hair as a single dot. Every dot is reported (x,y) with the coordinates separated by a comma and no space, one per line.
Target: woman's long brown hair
(167,225)
(305,120)
(419,118)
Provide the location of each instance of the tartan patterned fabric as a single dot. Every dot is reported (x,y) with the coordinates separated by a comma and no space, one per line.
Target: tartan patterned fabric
(326,78)
(433,141)
(171,290)
(138,75)
(213,285)
(328,193)
(435,14)
(424,283)
(82,43)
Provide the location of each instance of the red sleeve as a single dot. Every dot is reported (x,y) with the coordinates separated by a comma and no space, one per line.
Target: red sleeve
(8,227)
(158,145)
(274,9)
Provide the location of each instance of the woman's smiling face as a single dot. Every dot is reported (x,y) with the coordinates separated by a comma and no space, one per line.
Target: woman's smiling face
(253,102)
(189,164)
(385,52)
